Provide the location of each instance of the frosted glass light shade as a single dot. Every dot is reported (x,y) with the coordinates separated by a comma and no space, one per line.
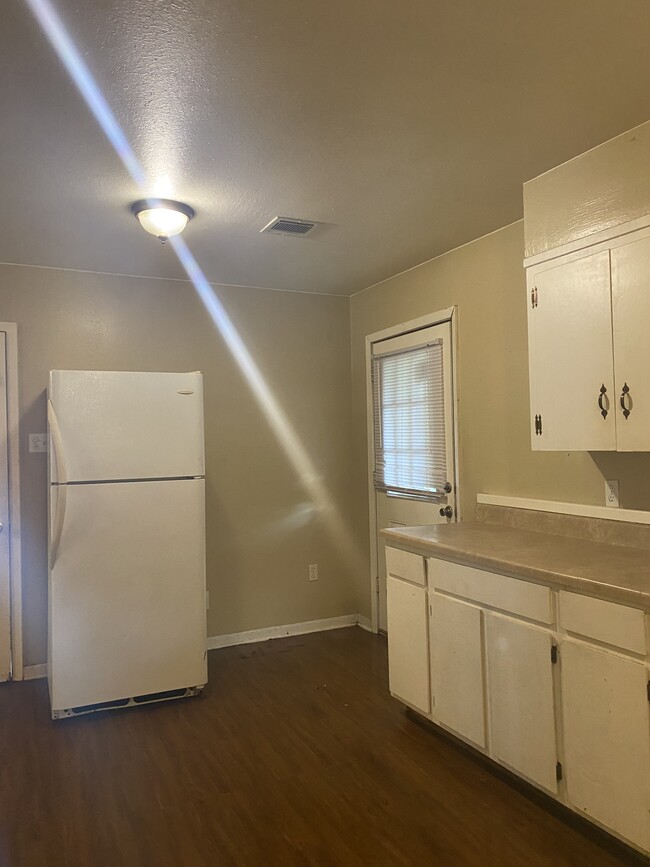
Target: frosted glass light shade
(162,217)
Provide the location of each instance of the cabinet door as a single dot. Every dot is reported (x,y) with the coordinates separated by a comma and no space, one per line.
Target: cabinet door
(408,643)
(520,699)
(631,314)
(607,738)
(570,356)
(457,668)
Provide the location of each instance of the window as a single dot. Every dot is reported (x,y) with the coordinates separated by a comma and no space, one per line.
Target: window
(409,421)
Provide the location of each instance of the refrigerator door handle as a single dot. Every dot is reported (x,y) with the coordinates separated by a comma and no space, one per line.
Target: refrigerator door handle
(59,518)
(57,443)
(61,489)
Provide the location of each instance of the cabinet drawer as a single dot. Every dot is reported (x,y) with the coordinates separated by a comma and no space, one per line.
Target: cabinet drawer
(498,591)
(404,564)
(608,622)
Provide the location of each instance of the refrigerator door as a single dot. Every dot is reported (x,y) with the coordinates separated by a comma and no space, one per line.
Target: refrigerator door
(123,425)
(127,592)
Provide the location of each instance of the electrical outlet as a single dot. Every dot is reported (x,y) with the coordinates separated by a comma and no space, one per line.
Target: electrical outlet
(313,572)
(611,493)
(38,443)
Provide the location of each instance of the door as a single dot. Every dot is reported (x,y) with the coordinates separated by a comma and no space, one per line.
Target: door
(127,591)
(520,696)
(5,570)
(408,644)
(606,738)
(457,667)
(571,364)
(122,425)
(413,423)
(631,313)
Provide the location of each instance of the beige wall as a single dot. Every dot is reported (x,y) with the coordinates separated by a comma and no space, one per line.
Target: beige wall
(261,536)
(485,280)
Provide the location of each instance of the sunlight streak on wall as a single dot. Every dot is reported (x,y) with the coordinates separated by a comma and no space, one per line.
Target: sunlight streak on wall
(276,417)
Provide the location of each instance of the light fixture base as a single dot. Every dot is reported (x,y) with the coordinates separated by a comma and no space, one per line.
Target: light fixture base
(162,217)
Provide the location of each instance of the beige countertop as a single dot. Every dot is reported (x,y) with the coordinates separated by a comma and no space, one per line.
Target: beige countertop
(614,572)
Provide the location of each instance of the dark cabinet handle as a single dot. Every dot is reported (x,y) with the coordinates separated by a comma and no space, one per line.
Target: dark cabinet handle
(626,401)
(446,512)
(602,398)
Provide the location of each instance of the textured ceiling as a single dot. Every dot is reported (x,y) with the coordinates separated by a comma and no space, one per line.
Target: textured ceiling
(405,128)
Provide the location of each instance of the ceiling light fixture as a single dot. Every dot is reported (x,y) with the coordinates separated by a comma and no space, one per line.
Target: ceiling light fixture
(162,217)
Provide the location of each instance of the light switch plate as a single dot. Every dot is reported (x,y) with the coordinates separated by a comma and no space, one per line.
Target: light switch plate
(37,443)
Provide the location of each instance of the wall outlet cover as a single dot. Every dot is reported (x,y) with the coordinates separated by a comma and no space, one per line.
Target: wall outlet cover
(611,493)
(313,572)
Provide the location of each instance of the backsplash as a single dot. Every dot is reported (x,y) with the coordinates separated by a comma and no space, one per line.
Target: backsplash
(573,526)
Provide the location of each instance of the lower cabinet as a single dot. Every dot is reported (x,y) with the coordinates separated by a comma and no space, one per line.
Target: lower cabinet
(520,698)
(607,749)
(408,643)
(457,668)
(532,677)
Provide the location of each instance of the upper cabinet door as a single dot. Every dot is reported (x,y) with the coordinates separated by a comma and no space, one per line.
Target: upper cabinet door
(631,312)
(119,425)
(571,357)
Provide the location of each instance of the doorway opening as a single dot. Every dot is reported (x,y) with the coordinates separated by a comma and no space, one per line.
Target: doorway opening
(11,649)
(412,435)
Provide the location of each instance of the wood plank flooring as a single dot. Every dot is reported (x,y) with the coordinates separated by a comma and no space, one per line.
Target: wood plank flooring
(294,755)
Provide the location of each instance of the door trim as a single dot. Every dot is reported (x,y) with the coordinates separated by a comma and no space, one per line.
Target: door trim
(449,314)
(13,460)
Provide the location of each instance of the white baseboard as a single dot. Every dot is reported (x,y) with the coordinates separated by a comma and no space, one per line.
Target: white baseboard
(235,638)
(365,623)
(33,672)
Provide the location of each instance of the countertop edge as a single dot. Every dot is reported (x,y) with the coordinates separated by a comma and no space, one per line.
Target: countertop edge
(522,571)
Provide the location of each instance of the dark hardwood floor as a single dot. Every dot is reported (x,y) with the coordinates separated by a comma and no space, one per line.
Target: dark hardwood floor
(294,755)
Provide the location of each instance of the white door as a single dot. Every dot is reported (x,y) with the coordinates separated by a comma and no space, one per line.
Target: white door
(607,738)
(520,696)
(457,667)
(5,574)
(631,313)
(124,425)
(395,508)
(127,591)
(572,395)
(408,643)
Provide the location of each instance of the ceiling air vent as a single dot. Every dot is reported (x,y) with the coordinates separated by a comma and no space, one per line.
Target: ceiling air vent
(288,226)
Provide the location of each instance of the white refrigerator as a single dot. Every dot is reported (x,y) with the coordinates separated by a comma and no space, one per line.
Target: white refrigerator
(127,602)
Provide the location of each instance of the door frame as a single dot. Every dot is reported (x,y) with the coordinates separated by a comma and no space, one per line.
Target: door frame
(449,314)
(13,460)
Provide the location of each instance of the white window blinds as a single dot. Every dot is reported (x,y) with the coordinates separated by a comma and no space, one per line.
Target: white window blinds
(409,419)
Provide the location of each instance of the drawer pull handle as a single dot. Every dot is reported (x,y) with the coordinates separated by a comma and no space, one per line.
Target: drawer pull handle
(603,401)
(626,401)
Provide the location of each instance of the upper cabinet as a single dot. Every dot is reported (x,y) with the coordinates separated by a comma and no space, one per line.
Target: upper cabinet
(588,299)
(631,318)
(570,355)
(589,357)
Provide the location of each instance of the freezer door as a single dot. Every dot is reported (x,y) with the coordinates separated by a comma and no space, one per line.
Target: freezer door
(127,592)
(123,425)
